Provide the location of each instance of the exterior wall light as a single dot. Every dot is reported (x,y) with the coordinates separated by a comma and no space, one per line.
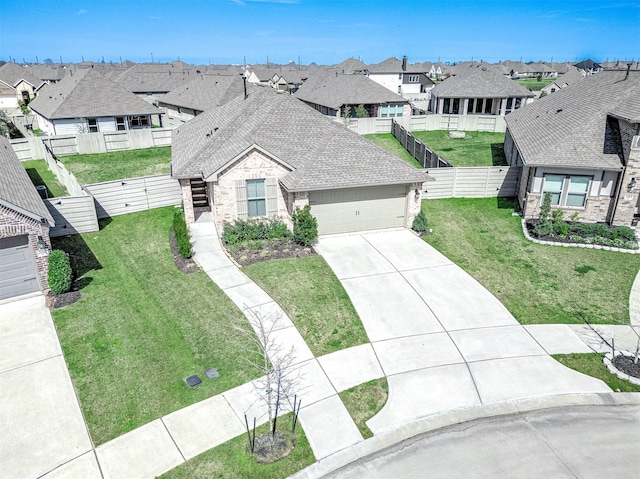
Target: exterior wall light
(632,183)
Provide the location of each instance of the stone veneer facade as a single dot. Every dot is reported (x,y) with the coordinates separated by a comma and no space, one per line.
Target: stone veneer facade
(13,223)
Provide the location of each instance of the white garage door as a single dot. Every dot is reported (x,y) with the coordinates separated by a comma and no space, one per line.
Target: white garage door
(17,267)
(359,209)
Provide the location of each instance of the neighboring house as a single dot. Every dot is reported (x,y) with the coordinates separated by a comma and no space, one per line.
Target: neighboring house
(588,66)
(263,155)
(337,94)
(152,81)
(24,229)
(284,79)
(563,81)
(19,79)
(399,77)
(87,102)
(200,94)
(478,89)
(581,145)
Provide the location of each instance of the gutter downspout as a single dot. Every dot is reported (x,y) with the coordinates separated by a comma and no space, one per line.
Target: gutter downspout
(617,197)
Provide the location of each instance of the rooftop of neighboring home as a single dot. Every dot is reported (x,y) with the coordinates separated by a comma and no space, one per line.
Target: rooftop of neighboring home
(321,153)
(350,65)
(587,64)
(393,65)
(156,77)
(11,74)
(87,93)
(16,189)
(334,90)
(479,80)
(568,128)
(205,91)
(571,77)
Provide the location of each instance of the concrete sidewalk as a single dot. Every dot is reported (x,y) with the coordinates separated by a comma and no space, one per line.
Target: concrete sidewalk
(442,340)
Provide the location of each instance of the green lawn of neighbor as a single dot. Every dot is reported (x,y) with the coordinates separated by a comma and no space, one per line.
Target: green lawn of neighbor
(99,167)
(592,365)
(478,148)
(232,459)
(537,283)
(388,142)
(365,401)
(40,174)
(534,84)
(314,299)
(141,327)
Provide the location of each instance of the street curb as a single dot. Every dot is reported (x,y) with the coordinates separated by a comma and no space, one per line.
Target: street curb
(434,422)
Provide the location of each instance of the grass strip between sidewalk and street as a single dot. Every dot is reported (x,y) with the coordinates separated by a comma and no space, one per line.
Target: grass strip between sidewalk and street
(365,401)
(591,364)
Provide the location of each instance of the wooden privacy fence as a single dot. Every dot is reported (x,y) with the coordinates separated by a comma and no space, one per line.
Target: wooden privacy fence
(72,215)
(64,176)
(105,142)
(120,197)
(421,152)
(472,182)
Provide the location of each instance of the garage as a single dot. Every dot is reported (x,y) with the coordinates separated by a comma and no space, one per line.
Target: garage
(359,209)
(17,267)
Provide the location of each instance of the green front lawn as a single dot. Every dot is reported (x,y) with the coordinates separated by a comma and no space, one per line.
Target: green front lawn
(537,283)
(478,148)
(534,84)
(591,364)
(99,167)
(141,327)
(314,299)
(388,142)
(40,174)
(232,460)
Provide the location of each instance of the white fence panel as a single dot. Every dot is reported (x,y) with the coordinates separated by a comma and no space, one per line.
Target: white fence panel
(64,176)
(30,148)
(472,182)
(72,215)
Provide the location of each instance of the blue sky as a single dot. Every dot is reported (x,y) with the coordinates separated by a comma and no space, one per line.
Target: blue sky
(321,31)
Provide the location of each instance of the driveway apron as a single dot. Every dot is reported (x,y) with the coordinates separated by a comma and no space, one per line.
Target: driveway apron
(43,431)
(440,337)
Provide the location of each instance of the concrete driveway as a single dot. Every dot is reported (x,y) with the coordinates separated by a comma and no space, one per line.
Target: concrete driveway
(443,341)
(42,427)
(571,442)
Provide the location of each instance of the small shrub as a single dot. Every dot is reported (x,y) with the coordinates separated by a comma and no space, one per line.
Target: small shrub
(59,274)
(181,234)
(544,226)
(420,222)
(254,229)
(575,217)
(626,233)
(557,216)
(305,226)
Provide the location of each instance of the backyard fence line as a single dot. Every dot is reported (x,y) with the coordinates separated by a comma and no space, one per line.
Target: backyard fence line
(416,148)
(33,148)
(367,126)
(64,176)
(472,182)
(72,215)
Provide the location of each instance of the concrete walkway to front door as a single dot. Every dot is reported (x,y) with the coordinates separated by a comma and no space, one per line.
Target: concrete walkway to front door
(443,341)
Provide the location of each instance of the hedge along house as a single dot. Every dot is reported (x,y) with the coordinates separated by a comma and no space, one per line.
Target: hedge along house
(265,154)
(581,145)
(88,102)
(478,89)
(24,229)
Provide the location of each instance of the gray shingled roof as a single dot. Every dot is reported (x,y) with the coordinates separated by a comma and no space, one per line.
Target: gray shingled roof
(335,90)
(156,77)
(393,65)
(87,93)
(205,91)
(350,65)
(567,128)
(322,153)
(479,81)
(16,189)
(11,73)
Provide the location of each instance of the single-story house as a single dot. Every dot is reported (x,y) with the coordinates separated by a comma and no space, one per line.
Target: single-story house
(203,92)
(152,82)
(17,83)
(478,89)
(263,155)
(87,102)
(563,81)
(581,144)
(334,94)
(24,229)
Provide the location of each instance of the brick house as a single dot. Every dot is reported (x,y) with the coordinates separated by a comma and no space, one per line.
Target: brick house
(581,144)
(267,153)
(24,229)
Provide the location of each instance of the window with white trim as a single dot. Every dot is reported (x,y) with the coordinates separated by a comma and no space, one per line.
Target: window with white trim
(139,121)
(414,78)
(120,123)
(391,111)
(92,123)
(256,198)
(567,190)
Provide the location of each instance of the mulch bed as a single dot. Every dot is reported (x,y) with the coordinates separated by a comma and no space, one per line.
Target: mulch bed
(55,301)
(186,265)
(270,250)
(625,364)
(269,450)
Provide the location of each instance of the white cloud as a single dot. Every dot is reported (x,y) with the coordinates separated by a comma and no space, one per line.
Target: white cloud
(82,11)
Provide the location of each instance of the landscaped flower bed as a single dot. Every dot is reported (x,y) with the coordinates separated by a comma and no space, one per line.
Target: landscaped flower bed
(586,233)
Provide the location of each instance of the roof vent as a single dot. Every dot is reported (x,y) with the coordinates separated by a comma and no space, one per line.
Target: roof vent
(484,69)
(558,110)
